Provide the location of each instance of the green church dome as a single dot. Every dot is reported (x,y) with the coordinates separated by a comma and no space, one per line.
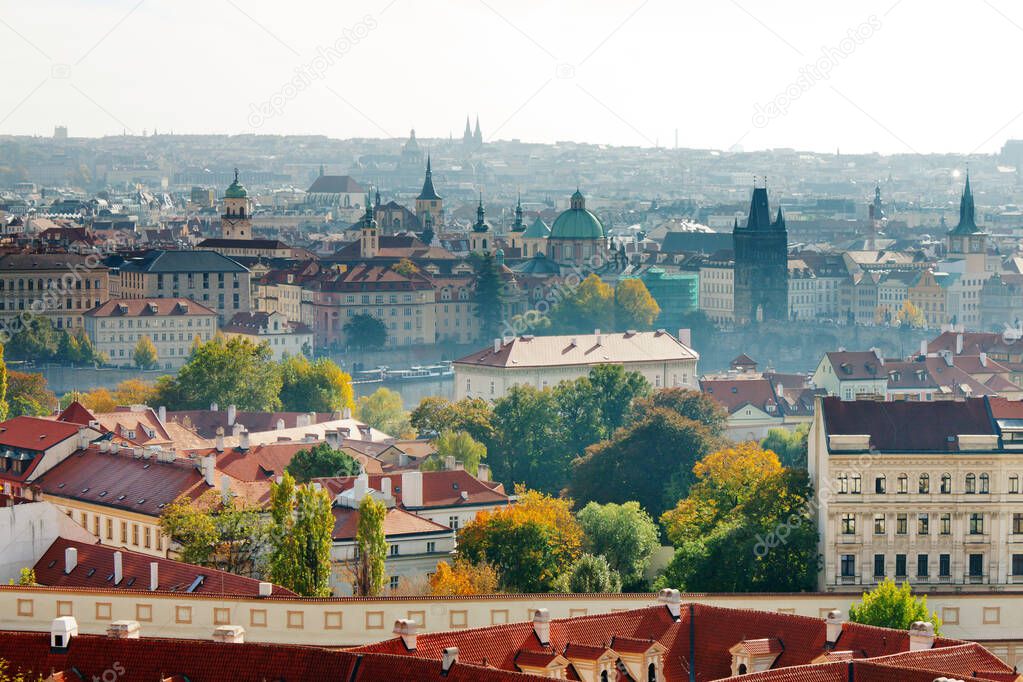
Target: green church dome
(577,222)
(237,189)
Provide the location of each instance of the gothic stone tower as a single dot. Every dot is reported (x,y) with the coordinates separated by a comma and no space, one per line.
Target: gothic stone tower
(429,204)
(761,264)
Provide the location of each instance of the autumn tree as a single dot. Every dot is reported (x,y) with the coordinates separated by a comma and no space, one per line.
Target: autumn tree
(383,410)
(686,402)
(27,394)
(144,356)
(591,305)
(3,387)
(405,267)
(435,415)
(463,579)
(313,530)
(634,307)
(135,392)
(208,531)
(911,316)
(314,385)
(321,461)
(365,332)
(232,371)
(368,567)
(531,543)
(892,606)
(745,526)
(623,534)
(461,447)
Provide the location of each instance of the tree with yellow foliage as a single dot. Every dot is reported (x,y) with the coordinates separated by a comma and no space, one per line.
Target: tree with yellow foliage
(911,316)
(463,579)
(531,543)
(635,308)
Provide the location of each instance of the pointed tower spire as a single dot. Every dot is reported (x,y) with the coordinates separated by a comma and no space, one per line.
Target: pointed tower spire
(780,220)
(967,211)
(481,224)
(428,193)
(518,226)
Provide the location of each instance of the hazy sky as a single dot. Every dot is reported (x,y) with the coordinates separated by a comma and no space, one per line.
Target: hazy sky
(889,76)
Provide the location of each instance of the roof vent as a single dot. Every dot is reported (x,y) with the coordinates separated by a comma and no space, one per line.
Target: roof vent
(123,629)
(673,600)
(406,629)
(449,659)
(62,631)
(834,626)
(542,626)
(229,634)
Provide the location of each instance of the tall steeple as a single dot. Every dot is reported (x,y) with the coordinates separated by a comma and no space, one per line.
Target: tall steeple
(479,240)
(429,204)
(518,225)
(428,193)
(481,225)
(477,135)
(967,211)
(467,135)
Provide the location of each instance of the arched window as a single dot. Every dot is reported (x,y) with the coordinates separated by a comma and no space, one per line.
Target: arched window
(946,483)
(742,668)
(985,484)
(925,483)
(971,484)
(902,484)
(603,676)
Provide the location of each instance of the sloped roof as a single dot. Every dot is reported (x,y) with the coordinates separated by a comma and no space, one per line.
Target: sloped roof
(582,349)
(151,307)
(95,568)
(440,488)
(35,433)
(398,522)
(335,184)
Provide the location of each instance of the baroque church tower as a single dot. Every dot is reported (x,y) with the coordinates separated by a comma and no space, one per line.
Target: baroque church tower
(236,220)
(429,204)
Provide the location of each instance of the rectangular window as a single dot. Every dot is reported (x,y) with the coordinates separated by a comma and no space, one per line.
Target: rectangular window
(453,522)
(110,529)
(394,582)
(431,547)
(1014,484)
(855,484)
(923,524)
(944,565)
(394,549)
(848,524)
(976,565)
(1017,564)
(124,532)
(880,485)
(946,524)
(879,565)
(878,524)
(900,565)
(1017,524)
(848,565)
(976,524)
(921,565)
(902,524)
(843,483)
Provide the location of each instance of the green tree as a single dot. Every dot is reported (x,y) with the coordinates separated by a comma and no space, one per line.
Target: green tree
(68,350)
(686,402)
(435,415)
(314,386)
(532,543)
(321,461)
(27,394)
(789,445)
(35,340)
(649,461)
(208,532)
(234,371)
(745,526)
(9,675)
(891,606)
(591,574)
(590,306)
(384,411)
(282,565)
(635,308)
(623,534)
(144,355)
(462,447)
(594,406)
(313,530)
(365,332)
(489,295)
(87,352)
(527,443)
(4,407)
(368,568)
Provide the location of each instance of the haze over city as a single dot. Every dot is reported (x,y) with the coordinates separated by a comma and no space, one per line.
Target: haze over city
(919,76)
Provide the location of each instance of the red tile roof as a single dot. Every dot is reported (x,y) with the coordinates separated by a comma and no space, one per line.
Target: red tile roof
(76,413)
(397,522)
(120,480)
(95,568)
(268,461)
(734,394)
(157,659)
(151,307)
(34,433)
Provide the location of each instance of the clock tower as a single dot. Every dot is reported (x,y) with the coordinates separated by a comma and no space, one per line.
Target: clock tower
(236,220)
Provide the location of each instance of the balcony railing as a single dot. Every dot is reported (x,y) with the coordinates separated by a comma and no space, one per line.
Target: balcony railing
(848,579)
(974,579)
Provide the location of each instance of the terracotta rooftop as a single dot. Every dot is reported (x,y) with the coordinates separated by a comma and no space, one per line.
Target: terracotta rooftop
(151,307)
(440,488)
(35,433)
(95,568)
(398,522)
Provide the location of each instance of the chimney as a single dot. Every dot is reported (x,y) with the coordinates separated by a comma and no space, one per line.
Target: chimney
(265,589)
(596,332)
(449,659)
(673,600)
(833,624)
(280,425)
(243,440)
(302,420)
(921,636)
(83,437)
(154,576)
(406,629)
(449,463)
(162,414)
(685,337)
(983,359)
(236,429)
(123,629)
(104,446)
(118,568)
(232,412)
(385,486)
(497,345)
(412,488)
(332,438)
(220,439)
(361,487)
(208,466)
(959,344)
(62,631)
(70,559)
(214,407)
(923,347)
(229,634)
(484,472)
(312,418)
(542,626)
(347,413)
(225,490)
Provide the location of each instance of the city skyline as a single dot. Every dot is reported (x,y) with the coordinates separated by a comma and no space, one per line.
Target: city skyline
(726,76)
